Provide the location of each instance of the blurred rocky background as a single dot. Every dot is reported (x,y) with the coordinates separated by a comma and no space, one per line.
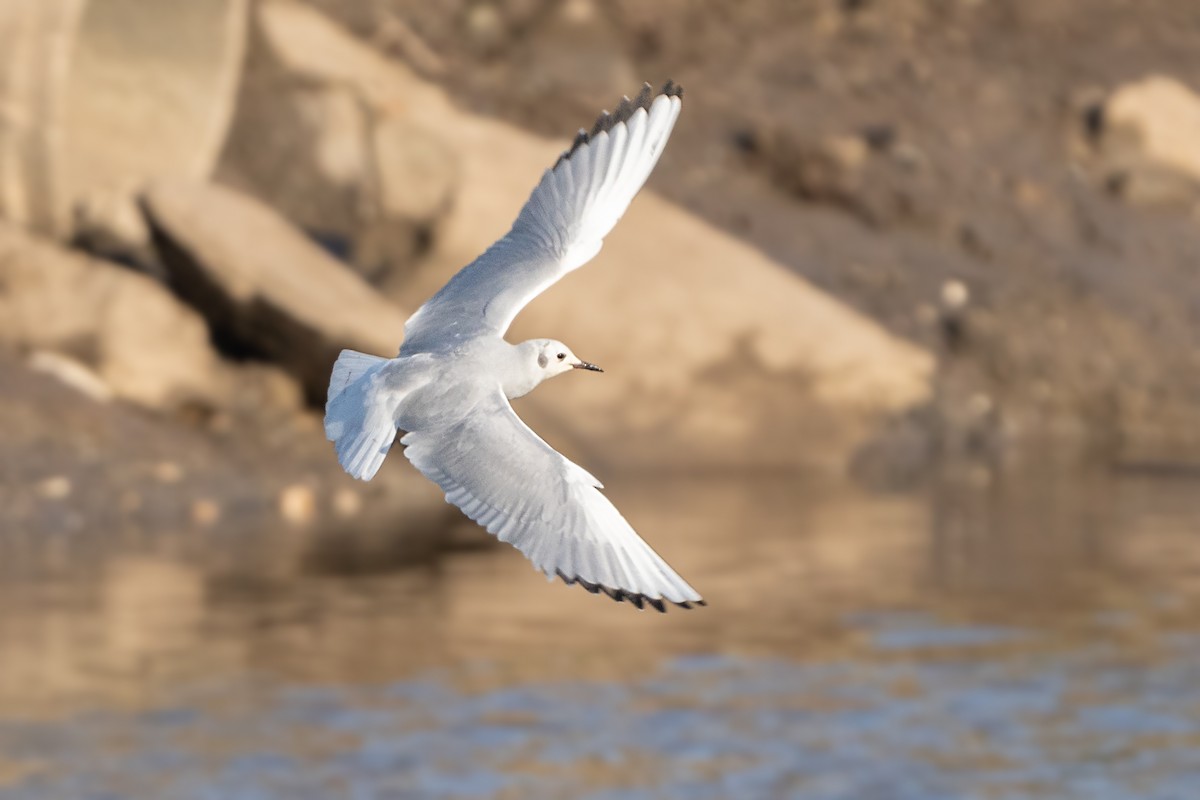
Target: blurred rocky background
(888,235)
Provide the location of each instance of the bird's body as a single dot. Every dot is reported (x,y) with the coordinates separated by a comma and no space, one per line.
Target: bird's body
(449,387)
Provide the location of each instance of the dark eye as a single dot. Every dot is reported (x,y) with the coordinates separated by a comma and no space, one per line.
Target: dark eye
(561,356)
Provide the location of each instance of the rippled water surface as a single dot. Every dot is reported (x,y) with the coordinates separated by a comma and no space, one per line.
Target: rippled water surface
(1026,639)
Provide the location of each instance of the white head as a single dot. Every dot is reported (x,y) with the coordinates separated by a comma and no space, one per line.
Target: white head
(554,358)
(540,359)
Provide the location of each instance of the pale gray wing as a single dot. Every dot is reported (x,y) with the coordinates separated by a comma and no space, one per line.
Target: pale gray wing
(506,478)
(561,227)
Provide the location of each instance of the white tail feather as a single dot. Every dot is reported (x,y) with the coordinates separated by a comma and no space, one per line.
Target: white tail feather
(349,367)
(358,418)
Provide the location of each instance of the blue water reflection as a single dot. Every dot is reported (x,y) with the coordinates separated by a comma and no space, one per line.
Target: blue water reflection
(1049,725)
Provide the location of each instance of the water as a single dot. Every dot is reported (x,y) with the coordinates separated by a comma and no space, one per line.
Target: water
(1024,639)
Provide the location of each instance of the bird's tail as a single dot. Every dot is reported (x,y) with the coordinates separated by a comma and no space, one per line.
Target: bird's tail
(359,420)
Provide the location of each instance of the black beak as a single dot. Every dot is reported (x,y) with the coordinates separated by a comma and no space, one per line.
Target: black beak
(586,365)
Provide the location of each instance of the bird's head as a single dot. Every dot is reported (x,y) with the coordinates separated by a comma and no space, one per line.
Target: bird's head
(553,357)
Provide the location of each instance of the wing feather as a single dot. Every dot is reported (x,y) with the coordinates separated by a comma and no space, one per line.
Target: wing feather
(557,517)
(561,227)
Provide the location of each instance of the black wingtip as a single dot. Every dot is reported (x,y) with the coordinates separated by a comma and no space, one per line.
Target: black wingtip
(639,601)
(624,110)
(602,124)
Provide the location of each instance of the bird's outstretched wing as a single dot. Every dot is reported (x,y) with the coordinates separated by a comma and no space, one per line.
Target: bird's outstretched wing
(561,227)
(555,514)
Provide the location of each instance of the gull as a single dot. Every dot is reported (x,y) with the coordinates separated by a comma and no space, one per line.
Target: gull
(448,390)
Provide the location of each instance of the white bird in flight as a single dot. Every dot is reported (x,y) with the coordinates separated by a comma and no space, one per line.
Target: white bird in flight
(449,388)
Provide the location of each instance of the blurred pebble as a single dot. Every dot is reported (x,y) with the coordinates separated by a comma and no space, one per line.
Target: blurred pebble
(955,295)
(484,27)
(848,152)
(205,512)
(579,12)
(168,472)
(980,405)
(297,504)
(55,488)
(347,502)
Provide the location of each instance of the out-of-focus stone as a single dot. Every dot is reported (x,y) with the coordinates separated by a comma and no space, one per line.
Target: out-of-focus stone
(483,27)
(143,343)
(304,149)
(1148,132)
(317,50)
(415,169)
(326,154)
(820,170)
(205,512)
(56,487)
(102,94)
(1160,117)
(110,225)
(347,502)
(168,472)
(265,289)
(263,391)
(955,295)
(298,504)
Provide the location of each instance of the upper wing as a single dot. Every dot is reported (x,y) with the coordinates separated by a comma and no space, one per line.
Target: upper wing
(561,227)
(503,476)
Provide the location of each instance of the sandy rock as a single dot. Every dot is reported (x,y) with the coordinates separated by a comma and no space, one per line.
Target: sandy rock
(317,150)
(264,287)
(137,339)
(304,150)
(265,392)
(314,48)
(828,170)
(873,175)
(109,224)
(98,96)
(1147,136)
(1163,116)
(413,165)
